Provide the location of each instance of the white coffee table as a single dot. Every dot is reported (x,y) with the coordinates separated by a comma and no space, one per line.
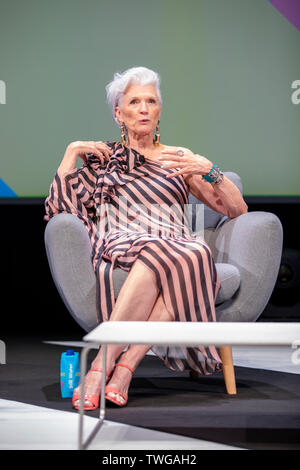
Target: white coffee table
(178,333)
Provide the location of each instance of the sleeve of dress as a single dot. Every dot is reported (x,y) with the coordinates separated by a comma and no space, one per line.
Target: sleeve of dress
(73,192)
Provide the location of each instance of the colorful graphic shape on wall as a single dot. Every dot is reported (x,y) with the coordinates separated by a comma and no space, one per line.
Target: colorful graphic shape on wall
(290,9)
(5,190)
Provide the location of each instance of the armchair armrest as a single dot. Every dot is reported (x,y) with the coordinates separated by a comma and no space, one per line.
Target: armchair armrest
(68,251)
(253,243)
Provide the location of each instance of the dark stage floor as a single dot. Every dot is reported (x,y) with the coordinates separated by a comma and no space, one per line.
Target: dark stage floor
(265,414)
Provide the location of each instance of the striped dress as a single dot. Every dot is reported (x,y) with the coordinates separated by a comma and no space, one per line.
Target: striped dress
(132,211)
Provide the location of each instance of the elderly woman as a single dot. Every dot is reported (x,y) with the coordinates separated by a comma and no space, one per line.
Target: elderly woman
(172,275)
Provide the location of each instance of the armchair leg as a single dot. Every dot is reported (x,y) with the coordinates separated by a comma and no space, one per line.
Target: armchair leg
(228,369)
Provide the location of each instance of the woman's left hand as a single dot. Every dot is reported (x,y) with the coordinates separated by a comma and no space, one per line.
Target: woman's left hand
(189,162)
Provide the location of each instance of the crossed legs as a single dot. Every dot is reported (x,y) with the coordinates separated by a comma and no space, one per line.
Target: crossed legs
(139,300)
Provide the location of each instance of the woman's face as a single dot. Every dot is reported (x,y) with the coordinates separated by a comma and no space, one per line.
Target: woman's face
(140,109)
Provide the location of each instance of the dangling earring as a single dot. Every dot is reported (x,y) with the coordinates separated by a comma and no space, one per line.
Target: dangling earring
(156,135)
(123,134)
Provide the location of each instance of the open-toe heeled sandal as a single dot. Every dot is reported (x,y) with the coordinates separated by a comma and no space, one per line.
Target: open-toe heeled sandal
(110,388)
(94,399)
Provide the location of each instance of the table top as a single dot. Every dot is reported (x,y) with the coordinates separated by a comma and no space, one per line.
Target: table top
(196,333)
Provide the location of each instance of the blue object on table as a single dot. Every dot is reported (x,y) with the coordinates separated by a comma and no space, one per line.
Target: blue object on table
(69,372)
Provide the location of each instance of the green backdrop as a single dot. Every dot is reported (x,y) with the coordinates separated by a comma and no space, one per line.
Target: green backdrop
(226,67)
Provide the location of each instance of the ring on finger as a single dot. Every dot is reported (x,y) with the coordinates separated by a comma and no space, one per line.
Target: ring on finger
(180,152)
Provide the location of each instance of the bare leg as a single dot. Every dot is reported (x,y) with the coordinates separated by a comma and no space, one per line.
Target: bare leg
(122,376)
(135,302)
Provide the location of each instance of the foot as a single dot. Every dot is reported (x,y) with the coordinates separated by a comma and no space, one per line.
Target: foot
(120,381)
(92,384)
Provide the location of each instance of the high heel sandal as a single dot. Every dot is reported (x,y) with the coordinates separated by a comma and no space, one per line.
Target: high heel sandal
(109,388)
(94,399)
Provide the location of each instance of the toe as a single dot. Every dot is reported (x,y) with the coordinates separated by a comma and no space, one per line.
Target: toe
(86,403)
(117,397)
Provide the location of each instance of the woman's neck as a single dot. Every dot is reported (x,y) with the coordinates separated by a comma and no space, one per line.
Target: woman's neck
(142,144)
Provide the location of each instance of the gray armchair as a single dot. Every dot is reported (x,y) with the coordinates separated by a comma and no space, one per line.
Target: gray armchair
(247,252)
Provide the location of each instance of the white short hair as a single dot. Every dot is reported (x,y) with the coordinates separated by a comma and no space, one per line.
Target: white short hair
(116,88)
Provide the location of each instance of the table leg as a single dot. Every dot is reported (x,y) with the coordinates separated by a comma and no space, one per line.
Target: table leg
(81,444)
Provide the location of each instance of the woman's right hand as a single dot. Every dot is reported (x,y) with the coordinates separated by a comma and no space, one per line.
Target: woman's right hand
(80,149)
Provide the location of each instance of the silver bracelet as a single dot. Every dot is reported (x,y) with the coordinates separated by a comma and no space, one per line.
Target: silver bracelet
(214,176)
(219,178)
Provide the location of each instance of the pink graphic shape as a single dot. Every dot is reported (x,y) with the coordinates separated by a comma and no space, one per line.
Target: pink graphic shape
(290,9)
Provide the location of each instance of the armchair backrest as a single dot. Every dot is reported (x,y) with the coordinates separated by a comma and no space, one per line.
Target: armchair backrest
(211,217)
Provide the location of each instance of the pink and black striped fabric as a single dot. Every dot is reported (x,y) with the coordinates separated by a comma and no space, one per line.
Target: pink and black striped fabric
(132,211)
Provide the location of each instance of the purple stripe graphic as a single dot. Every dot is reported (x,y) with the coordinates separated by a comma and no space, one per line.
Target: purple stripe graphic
(290,9)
